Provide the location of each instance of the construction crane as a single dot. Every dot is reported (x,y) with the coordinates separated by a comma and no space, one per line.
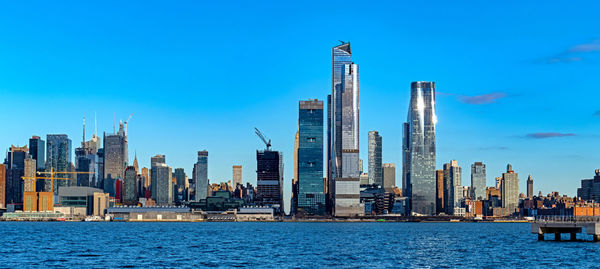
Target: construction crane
(127,122)
(262,137)
(52,177)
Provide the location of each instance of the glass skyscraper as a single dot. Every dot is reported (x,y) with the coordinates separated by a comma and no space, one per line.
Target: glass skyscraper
(36,151)
(375,164)
(478,179)
(269,179)
(130,186)
(418,176)
(311,198)
(115,158)
(343,130)
(201,175)
(58,154)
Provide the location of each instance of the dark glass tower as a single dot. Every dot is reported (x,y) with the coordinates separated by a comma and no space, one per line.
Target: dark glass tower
(375,164)
(58,154)
(418,177)
(311,198)
(36,151)
(269,179)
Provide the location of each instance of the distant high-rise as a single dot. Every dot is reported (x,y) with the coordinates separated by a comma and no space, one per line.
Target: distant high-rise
(154,163)
(237,175)
(146,176)
(529,187)
(269,179)
(164,184)
(311,198)
(37,146)
(179,175)
(2,186)
(510,190)
(201,175)
(115,158)
(343,129)
(389,176)
(478,179)
(130,187)
(454,187)
(58,158)
(86,160)
(29,184)
(375,151)
(418,167)
(440,188)
(15,169)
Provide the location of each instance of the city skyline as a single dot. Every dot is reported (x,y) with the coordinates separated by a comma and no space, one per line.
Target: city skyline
(519,137)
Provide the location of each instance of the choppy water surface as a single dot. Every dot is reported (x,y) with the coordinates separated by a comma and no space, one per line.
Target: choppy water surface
(400,245)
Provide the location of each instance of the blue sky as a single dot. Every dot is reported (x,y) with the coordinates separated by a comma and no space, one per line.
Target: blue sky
(516,80)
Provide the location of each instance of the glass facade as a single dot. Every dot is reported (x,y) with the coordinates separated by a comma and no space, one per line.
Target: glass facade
(418,178)
(269,178)
(311,198)
(478,179)
(115,158)
(130,187)
(343,140)
(201,175)
(36,151)
(375,163)
(510,190)
(58,154)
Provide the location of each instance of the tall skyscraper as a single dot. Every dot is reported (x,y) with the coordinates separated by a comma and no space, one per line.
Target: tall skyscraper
(2,186)
(130,186)
(154,162)
(179,174)
(344,134)
(478,179)
(237,175)
(86,160)
(294,198)
(201,175)
(375,151)
(37,146)
(164,184)
(418,167)
(510,190)
(29,184)
(440,188)
(115,158)
(454,187)
(529,187)
(146,176)
(269,179)
(311,198)
(58,154)
(389,176)
(15,169)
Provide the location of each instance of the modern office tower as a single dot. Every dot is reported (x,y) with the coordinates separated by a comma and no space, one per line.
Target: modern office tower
(15,169)
(389,176)
(58,158)
(344,134)
(237,175)
(418,167)
(529,187)
(130,187)
(179,175)
(100,170)
(164,184)
(201,175)
(115,158)
(454,187)
(478,179)
(86,160)
(590,188)
(154,162)
(269,179)
(510,190)
(2,186)
(439,190)
(37,146)
(29,182)
(311,198)
(375,168)
(294,198)
(146,176)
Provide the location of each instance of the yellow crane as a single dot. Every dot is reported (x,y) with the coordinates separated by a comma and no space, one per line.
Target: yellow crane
(52,177)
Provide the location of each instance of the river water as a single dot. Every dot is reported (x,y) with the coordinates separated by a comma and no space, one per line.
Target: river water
(284,245)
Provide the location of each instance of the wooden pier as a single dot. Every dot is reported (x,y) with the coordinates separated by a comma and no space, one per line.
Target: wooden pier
(559,225)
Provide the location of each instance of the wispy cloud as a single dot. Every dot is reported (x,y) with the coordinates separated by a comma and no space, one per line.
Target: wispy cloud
(575,53)
(494,148)
(548,135)
(482,99)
